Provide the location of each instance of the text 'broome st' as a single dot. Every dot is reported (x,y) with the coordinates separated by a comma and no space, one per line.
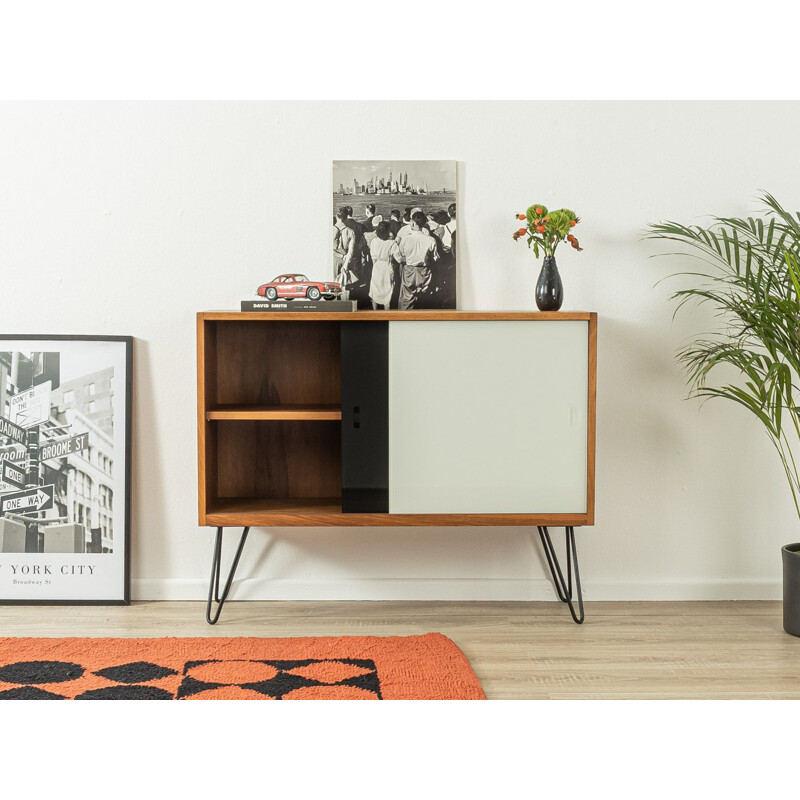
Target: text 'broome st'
(65,447)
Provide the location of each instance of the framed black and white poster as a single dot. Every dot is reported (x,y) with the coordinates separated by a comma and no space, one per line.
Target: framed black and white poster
(65,432)
(394,233)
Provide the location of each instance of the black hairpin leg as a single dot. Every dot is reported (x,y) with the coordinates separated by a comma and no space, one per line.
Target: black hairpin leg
(564,588)
(216,564)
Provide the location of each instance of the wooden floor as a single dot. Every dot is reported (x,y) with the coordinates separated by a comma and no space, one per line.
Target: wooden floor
(520,651)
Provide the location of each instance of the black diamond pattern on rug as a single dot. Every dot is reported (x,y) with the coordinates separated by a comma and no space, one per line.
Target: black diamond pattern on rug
(281,684)
(135,672)
(122,692)
(34,672)
(190,686)
(369,682)
(29,693)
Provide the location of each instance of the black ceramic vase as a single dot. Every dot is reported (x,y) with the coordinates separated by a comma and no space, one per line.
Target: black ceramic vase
(791,588)
(549,291)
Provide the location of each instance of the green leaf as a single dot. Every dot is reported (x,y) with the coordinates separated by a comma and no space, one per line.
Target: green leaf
(791,265)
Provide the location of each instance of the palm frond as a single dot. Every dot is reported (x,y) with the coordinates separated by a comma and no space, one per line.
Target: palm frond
(752,282)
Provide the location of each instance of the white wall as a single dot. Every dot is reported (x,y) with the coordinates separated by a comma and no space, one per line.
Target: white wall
(128,218)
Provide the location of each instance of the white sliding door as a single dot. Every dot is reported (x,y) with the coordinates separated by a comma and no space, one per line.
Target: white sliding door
(488,416)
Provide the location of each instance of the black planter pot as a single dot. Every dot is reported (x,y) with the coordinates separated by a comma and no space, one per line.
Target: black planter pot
(549,291)
(791,588)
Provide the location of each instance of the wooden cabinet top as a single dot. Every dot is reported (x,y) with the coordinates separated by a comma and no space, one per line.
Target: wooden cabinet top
(381,316)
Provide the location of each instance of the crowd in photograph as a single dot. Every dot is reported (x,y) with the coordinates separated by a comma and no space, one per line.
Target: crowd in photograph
(406,261)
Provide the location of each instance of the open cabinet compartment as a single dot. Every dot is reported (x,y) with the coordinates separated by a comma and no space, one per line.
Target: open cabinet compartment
(271,404)
(278,459)
(274,364)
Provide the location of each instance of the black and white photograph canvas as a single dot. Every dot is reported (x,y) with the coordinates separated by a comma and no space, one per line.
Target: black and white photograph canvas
(394,233)
(64,469)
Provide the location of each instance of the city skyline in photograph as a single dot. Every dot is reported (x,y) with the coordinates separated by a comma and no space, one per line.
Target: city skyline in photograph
(408,176)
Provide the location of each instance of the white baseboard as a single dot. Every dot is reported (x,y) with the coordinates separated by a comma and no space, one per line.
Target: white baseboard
(454,589)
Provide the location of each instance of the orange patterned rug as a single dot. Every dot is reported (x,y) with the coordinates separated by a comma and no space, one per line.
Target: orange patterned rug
(428,667)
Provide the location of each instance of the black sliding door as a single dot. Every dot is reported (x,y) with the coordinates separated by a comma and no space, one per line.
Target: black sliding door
(365,417)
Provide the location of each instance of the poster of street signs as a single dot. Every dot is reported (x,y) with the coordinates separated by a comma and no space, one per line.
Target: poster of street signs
(65,422)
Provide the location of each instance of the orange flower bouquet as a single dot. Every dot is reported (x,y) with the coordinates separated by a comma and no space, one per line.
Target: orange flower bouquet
(545,230)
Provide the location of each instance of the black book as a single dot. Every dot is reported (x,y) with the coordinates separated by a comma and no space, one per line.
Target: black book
(299,305)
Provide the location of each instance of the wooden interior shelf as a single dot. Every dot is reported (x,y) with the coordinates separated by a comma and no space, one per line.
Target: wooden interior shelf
(264,412)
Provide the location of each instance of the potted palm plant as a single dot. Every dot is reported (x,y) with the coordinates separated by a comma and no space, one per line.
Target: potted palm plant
(749,271)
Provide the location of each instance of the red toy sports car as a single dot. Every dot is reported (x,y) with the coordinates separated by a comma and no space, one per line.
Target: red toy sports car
(296,285)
